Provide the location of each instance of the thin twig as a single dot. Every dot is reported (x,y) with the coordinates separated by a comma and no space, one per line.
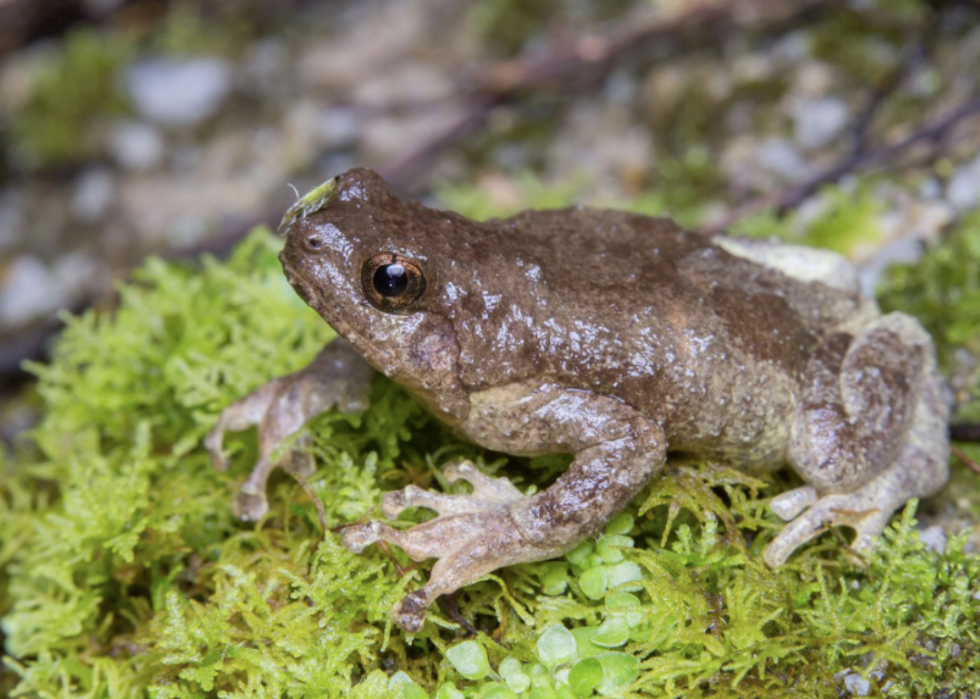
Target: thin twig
(320,512)
(449,604)
(791,197)
(913,56)
(967,461)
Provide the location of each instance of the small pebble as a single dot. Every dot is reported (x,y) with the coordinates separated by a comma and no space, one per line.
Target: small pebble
(94,193)
(26,291)
(136,145)
(963,190)
(780,156)
(178,93)
(30,289)
(818,122)
(934,538)
(857,685)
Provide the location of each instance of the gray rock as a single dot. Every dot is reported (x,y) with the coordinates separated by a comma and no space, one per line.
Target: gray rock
(793,47)
(178,93)
(857,685)
(934,538)
(136,145)
(31,290)
(25,292)
(778,155)
(816,123)
(963,190)
(93,195)
(338,127)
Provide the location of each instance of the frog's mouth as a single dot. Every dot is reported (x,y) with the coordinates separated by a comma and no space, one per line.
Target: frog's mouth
(304,290)
(307,292)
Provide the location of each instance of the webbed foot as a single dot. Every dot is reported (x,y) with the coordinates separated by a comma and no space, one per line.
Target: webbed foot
(472,536)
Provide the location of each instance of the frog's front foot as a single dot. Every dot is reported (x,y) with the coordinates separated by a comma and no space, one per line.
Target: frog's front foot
(337,377)
(472,536)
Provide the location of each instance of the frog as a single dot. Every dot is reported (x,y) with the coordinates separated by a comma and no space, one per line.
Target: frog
(616,338)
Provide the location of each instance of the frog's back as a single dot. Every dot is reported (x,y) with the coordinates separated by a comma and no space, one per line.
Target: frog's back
(642,266)
(661,317)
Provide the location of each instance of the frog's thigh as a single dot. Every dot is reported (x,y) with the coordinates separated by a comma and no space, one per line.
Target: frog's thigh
(617,451)
(870,433)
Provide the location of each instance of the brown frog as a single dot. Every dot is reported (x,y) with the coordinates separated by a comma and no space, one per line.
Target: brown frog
(611,336)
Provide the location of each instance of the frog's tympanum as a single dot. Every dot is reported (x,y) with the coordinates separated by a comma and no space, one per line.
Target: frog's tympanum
(611,336)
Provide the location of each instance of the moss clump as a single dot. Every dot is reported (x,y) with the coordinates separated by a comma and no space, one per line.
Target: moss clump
(125,573)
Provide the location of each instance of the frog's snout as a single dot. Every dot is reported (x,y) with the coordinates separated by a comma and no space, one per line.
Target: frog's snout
(295,280)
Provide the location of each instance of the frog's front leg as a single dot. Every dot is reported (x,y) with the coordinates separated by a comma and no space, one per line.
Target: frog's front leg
(617,451)
(337,377)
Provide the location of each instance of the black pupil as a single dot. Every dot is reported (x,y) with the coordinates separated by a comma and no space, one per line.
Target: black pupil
(391,280)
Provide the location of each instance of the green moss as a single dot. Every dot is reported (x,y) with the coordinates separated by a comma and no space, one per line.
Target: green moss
(943,290)
(849,219)
(507,25)
(125,573)
(73,89)
(689,179)
(190,29)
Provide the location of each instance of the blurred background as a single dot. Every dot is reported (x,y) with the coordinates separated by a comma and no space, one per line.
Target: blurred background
(137,127)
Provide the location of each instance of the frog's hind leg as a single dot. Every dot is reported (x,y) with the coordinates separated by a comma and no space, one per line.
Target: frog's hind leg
(869,433)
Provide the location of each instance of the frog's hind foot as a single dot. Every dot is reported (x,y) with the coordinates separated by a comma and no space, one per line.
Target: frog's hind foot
(472,536)
(869,434)
(864,510)
(919,470)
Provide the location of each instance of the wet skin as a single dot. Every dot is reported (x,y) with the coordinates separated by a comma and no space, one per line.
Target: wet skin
(613,337)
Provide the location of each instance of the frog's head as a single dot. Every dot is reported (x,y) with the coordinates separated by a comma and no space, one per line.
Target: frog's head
(362,259)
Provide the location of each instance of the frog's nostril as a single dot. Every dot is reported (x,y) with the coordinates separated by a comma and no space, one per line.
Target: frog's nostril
(314,242)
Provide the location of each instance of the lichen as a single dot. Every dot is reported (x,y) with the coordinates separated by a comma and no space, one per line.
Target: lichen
(126,574)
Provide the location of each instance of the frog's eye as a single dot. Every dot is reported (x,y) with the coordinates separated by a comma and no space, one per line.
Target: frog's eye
(392,282)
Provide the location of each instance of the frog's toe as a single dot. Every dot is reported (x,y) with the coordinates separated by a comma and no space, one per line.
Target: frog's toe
(472,536)
(488,493)
(855,510)
(394,503)
(409,613)
(358,537)
(468,547)
(485,488)
(791,503)
(250,505)
(433,539)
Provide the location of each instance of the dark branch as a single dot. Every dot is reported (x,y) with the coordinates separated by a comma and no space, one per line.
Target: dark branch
(790,197)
